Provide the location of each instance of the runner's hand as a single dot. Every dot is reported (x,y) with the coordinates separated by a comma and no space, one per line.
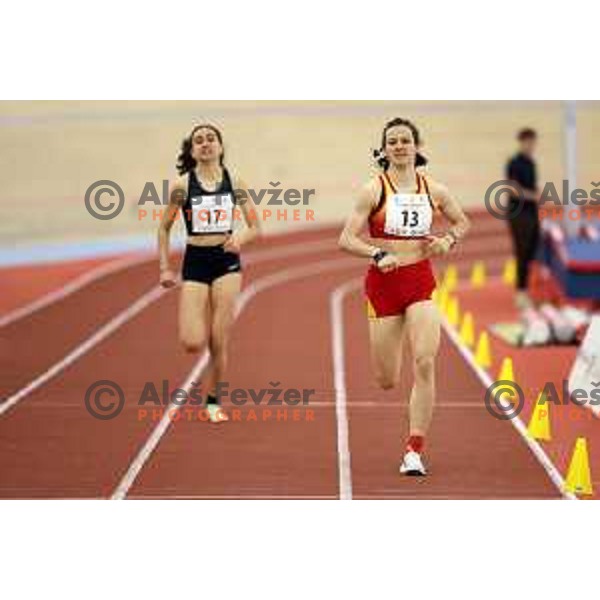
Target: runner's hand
(388,263)
(438,245)
(232,244)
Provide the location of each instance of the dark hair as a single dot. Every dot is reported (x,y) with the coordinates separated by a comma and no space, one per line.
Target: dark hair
(527,133)
(379,155)
(185,162)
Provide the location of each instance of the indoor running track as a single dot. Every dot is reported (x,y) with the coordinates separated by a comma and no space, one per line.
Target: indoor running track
(301,325)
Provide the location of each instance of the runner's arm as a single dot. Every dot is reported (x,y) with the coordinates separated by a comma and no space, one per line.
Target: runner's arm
(350,239)
(177,192)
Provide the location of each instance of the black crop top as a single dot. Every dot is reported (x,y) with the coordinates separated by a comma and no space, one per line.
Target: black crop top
(207,212)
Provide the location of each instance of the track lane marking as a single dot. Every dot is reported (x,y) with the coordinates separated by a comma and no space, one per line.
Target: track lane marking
(533,445)
(133,310)
(98,336)
(484,377)
(121,264)
(336,308)
(71,287)
(262,284)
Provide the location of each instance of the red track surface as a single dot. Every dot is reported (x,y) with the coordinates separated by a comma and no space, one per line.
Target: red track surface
(26,283)
(51,447)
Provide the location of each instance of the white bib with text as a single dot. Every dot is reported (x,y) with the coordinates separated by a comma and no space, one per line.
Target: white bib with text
(408,215)
(212,214)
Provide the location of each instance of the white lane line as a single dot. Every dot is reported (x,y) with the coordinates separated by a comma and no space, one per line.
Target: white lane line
(127,314)
(247,496)
(386,404)
(99,335)
(331,403)
(72,286)
(294,249)
(336,305)
(261,285)
(121,264)
(517,423)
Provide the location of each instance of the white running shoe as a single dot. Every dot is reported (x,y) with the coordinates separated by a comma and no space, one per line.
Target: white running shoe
(412,464)
(216,414)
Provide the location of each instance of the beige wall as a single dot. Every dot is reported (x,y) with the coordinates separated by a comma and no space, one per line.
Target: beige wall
(50,152)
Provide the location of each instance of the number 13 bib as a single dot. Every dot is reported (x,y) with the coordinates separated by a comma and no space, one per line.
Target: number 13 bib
(408,215)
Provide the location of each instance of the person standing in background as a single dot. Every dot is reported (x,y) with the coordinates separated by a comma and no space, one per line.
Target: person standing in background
(524,226)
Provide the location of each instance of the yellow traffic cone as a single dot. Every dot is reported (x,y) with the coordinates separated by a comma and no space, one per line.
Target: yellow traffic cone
(467,331)
(509,274)
(579,480)
(442,299)
(483,356)
(507,374)
(451,278)
(506,370)
(478,275)
(453,313)
(539,424)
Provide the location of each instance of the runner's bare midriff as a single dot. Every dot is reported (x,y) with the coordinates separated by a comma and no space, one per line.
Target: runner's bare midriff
(214,239)
(409,251)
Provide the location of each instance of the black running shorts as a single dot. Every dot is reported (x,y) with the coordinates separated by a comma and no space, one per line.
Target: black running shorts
(204,264)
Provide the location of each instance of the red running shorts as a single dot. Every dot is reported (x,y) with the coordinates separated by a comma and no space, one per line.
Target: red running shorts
(390,294)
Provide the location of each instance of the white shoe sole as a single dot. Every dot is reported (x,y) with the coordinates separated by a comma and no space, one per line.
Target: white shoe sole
(416,469)
(412,472)
(217,415)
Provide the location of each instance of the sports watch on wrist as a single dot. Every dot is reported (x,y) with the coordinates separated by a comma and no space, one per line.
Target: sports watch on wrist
(377,256)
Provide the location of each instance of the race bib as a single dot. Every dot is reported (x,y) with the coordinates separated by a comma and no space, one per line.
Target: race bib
(408,215)
(212,214)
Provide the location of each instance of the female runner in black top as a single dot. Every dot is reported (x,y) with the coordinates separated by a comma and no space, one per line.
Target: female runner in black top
(205,192)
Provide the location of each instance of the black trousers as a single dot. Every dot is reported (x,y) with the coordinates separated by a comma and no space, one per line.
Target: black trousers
(525,232)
